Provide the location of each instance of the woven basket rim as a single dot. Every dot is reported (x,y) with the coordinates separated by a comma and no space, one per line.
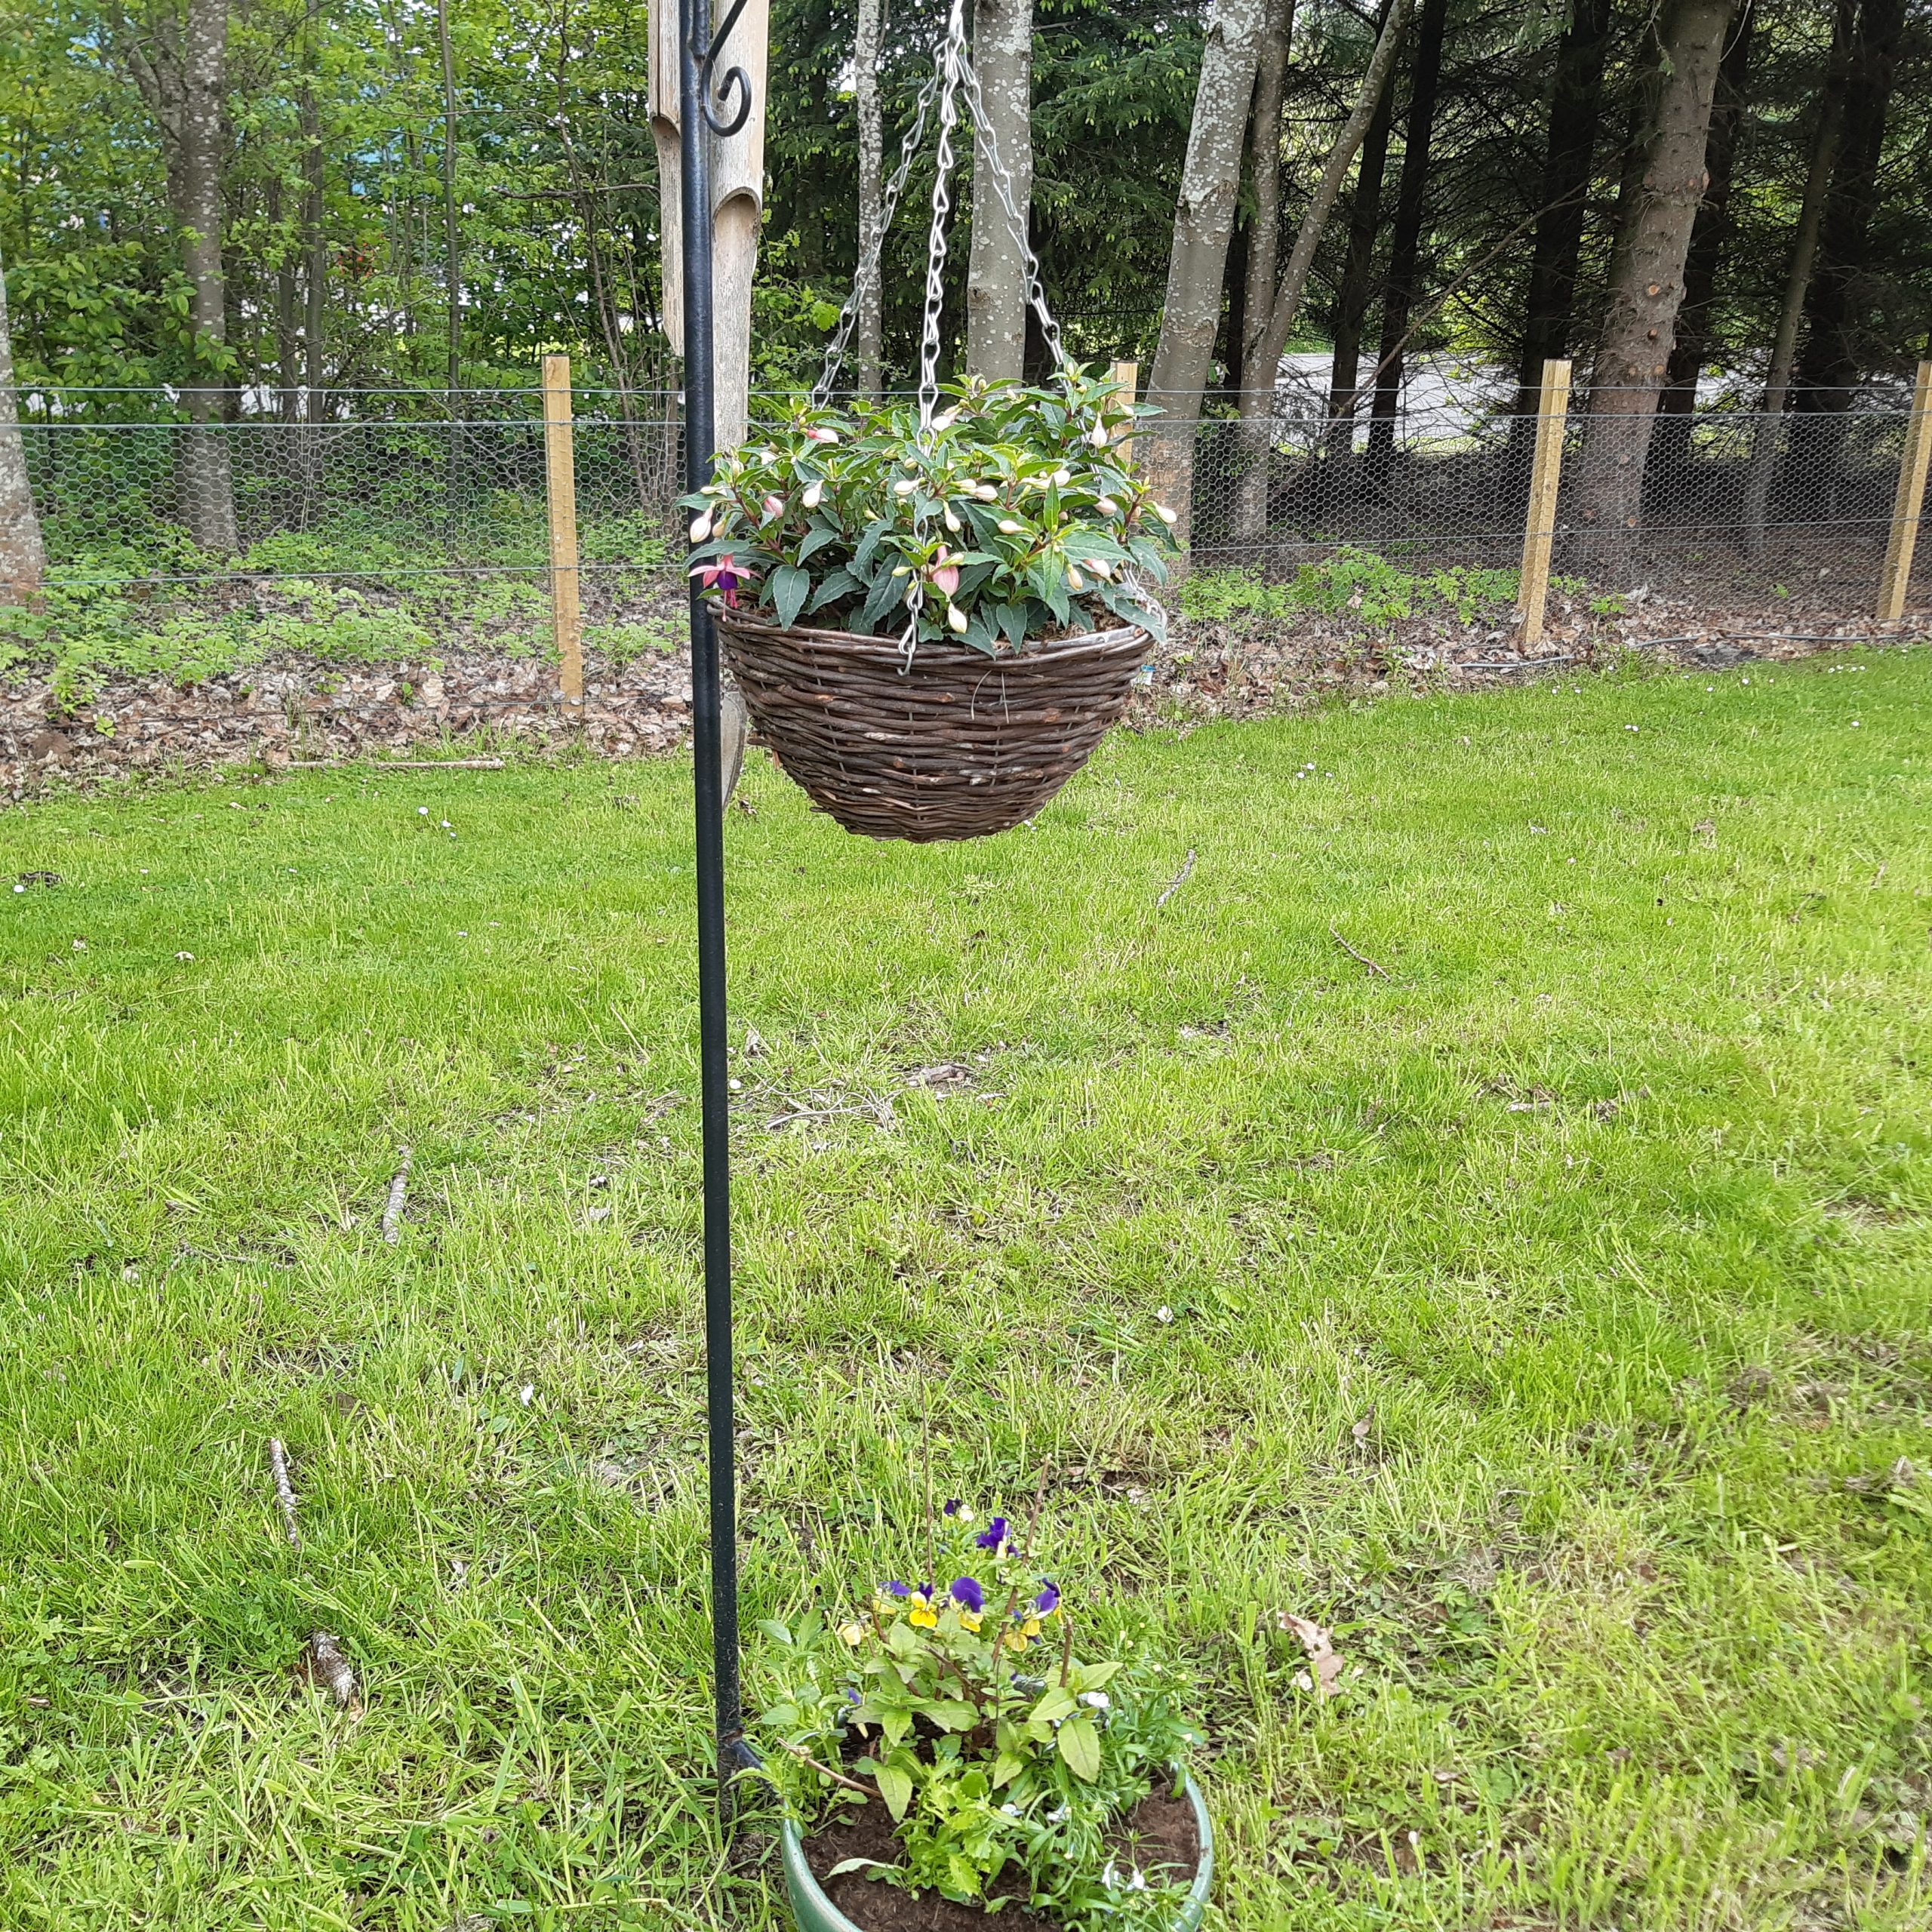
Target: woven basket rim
(859,643)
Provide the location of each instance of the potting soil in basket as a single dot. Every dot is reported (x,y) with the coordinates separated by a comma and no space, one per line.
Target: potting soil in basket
(1159,1832)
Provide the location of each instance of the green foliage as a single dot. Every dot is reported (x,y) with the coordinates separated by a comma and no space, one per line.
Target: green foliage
(1008,520)
(1003,1758)
(1358,584)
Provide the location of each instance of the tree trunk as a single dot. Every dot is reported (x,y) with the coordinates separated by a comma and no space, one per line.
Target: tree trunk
(1263,258)
(179,62)
(21,558)
(1676,406)
(1257,396)
(287,331)
(1834,355)
(869,335)
(1576,107)
(1405,243)
(452,257)
(315,275)
(1351,294)
(996,274)
(1798,279)
(1203,216)
(1646,273)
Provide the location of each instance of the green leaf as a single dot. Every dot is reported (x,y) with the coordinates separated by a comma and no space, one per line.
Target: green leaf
(950,1714)
(869,542)
(817,538)
(896,1787)
(1007,1767)
(789,588)
(962,1876)
(845,1865)
(777,1631)
(886,592)
(1079,1744)
(1092,1676)
(840,583)
(1058,1703)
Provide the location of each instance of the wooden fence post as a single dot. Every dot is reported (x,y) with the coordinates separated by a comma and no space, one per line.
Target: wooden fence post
(1126,377)
(1545,474)
(1910,500)
(560,493)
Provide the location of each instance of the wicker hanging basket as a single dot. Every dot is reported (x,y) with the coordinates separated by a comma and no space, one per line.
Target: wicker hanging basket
(953,745)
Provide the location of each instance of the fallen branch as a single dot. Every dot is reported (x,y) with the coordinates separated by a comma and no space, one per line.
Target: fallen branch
(398,763)
(1362,957)
(825,1770)
(398,1194)
(323,1663)
(284,1491)
(1179,880)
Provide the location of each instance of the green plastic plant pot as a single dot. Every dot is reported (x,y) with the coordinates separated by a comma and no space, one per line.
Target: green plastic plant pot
(815,1912)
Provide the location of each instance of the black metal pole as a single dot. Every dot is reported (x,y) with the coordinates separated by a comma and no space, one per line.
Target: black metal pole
(696,53)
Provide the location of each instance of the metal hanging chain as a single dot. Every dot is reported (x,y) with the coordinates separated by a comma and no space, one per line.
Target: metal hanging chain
(1036,294)
(953,73)
(952,58)
(869,267)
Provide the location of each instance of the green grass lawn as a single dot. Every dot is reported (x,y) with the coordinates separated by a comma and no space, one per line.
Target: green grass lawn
(1549,1317)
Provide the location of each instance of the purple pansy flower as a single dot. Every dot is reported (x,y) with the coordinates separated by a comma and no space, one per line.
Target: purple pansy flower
(993,1535)
(896,1589)
(968,1594)
(953,1506)
(1048,1599)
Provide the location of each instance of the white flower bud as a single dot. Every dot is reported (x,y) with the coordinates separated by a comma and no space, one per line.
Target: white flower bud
(1166,515)
(956,619)
(1008,526)
(1100,567)
(814,495)
(1063,477)
(905,486)
(1097,435)
(985,493)
(701,528)
(1106,506)
(1075,581)
(952,522)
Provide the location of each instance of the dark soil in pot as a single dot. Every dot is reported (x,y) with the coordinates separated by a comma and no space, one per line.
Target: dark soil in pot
(1160,1830)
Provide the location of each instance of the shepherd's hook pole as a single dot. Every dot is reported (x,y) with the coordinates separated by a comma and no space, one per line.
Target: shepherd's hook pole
(696,55)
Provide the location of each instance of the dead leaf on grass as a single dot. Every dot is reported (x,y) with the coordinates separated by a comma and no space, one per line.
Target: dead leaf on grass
(323,1665)
(1324,1665)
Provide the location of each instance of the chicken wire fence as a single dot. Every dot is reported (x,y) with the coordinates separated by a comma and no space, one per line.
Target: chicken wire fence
(1740,510)
(1722,505)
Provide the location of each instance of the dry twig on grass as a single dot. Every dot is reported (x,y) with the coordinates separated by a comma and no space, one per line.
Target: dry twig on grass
(825,1770)
(284,1491)
(322,1663)
(1362,957)
(398,1194)
(1179,880)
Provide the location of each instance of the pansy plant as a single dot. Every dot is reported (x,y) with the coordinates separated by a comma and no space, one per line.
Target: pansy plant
(1006,1757)
(1015,517)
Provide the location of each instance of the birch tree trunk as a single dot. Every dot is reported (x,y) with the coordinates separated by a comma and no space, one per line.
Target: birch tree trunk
(995,274)
(869,332)
(1647,276)
(179,62)
(1204,217)
(1797,280)
(1257,398)
(21,558)
(316,276)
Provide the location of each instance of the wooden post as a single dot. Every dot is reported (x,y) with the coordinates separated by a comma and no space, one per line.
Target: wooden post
(1911,500)
(1126,377)
(560,478)
(1545,474)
